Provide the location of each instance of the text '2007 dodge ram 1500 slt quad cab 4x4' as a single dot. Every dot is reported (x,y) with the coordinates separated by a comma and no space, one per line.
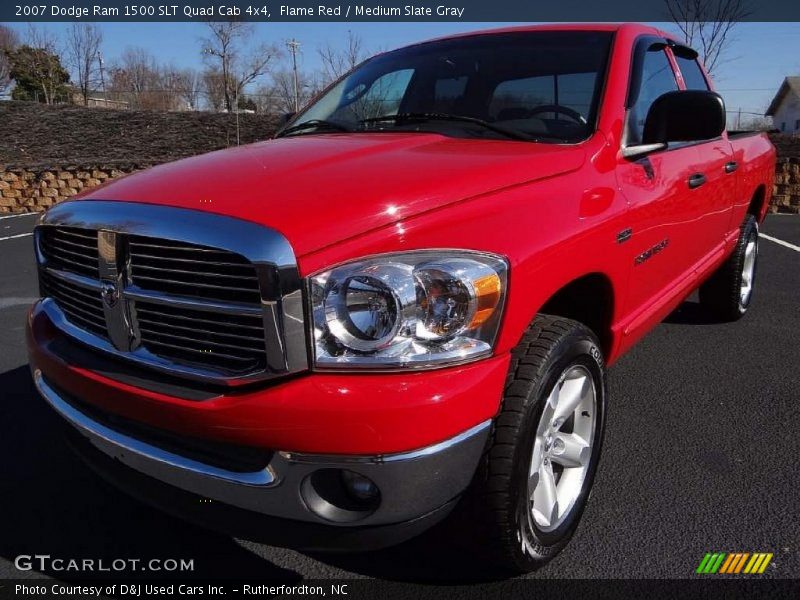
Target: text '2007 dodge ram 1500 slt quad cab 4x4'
(401,308)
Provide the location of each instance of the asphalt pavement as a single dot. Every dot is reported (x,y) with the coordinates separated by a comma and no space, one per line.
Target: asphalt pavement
(700,455)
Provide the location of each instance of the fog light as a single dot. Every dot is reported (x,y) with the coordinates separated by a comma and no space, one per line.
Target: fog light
(359,487)
(340,495)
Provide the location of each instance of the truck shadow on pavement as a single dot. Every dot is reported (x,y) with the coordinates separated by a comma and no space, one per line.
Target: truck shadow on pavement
(53,504)
(691,313)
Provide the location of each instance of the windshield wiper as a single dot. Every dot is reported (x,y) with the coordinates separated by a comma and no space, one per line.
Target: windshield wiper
(517,135)
(314,123)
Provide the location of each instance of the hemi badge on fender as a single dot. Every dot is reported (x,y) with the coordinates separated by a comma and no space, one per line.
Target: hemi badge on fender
(651,252)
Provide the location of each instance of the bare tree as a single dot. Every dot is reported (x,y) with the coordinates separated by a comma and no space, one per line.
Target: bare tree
(707,25)
(337,61)
(133,75)
(224,52)
(278,97)
(83,42)
(8,42)
(139,80)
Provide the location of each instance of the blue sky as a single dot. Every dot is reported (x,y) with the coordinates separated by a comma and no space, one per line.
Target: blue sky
(761,55)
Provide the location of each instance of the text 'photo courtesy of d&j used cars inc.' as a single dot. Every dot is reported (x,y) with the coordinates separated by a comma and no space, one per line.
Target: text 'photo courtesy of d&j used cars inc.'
(390,300)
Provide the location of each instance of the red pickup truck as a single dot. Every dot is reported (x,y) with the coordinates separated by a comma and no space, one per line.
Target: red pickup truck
(401,308)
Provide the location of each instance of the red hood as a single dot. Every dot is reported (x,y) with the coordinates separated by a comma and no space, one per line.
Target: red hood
(320,189)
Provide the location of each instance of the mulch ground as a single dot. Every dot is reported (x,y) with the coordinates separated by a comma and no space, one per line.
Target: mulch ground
(34,135)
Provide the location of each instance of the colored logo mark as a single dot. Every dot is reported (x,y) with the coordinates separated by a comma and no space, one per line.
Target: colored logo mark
(734,563)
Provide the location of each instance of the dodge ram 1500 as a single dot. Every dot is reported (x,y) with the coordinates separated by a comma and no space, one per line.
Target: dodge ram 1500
(402,308)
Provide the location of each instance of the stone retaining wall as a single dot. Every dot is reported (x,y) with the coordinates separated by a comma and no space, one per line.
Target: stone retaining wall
(30,189)
(786,196)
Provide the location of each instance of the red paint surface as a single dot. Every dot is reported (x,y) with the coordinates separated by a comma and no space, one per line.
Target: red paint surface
(553,210)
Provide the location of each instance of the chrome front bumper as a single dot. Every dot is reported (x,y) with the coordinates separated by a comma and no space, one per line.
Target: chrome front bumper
(411,484)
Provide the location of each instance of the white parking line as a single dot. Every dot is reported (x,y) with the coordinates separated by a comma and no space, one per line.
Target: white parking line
(13,237)
(781,242)
(20,215)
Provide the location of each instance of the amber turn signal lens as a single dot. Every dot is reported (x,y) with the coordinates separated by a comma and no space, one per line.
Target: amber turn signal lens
(487,292)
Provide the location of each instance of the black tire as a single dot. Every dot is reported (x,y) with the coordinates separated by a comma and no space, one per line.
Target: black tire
(497,524)
(722,293)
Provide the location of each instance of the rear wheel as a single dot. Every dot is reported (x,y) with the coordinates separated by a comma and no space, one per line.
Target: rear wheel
(532,487)
(729,291)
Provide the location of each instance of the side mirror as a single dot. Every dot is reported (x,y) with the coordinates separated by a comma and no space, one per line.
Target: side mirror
(684,116)
(285,118)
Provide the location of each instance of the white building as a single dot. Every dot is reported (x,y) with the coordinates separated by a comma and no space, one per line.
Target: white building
(785,107)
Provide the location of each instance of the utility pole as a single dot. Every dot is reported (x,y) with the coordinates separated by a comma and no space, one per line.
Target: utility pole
(293,45)
(102,77)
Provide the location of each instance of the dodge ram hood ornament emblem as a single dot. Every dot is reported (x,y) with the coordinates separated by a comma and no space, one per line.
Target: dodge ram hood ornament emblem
(110,294)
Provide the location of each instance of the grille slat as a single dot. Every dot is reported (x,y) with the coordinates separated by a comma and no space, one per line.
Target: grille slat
(194,340)
(240,278)
(84,249)
(89,235)
(187,284)
(73,289)
(170,271)
(180,247)
(189,261)
(150,324)
(203,353)
(181,317)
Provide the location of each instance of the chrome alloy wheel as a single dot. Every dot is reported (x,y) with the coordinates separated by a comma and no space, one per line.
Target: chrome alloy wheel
(562,449)
(748,270)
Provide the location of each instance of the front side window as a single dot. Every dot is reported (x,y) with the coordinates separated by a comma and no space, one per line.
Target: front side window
(657,78)
(542,86)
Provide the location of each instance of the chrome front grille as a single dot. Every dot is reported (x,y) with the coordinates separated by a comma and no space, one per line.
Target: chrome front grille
(192,270)
(71,249)
(82,306)
(234,342)
(194,294)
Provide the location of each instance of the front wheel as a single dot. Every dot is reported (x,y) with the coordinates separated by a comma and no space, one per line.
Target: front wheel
(532,487)
(729,291)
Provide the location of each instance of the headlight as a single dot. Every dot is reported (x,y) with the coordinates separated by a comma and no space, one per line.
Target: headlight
(414,309)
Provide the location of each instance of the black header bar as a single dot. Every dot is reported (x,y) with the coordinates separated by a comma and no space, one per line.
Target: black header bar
(366,11)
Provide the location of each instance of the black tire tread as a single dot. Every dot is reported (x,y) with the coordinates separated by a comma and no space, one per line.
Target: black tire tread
(720,292)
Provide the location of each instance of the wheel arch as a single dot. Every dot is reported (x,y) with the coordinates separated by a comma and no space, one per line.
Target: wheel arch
(758,203)
(589,299)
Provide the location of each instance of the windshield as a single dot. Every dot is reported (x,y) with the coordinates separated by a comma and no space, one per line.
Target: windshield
(523,85)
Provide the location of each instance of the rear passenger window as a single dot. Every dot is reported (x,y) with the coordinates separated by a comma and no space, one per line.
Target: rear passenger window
(692,74)
(657,79)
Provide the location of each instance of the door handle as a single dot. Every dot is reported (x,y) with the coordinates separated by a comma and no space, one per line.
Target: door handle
(730,167)
(696,180)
